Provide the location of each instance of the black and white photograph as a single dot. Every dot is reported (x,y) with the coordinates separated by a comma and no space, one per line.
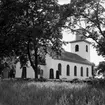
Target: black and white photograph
(52,52)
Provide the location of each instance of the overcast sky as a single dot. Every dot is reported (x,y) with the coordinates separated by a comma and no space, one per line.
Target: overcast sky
(63,1)
(69,37)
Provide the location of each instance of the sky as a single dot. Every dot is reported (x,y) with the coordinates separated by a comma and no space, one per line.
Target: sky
(67,36)
(63,1)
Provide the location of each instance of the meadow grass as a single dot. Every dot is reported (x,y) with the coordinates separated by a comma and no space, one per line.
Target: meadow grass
(49,93)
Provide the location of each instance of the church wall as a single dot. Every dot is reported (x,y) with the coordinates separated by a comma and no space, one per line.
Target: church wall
(53,64)
(48,66)
(30,71)
(43,67)
(71,64)
(82,49)
(18,71)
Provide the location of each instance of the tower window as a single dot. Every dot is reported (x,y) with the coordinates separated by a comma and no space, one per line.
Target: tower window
(86,48)
(59,68)
(75,70)
(68,70)
(81,71)
(76,48)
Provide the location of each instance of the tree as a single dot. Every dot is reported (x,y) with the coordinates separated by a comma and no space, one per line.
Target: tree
(39,22)
(31,26)
(10,10)
(88,16)
(101,67)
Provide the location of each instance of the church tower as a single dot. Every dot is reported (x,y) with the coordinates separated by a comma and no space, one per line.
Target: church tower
(81,46)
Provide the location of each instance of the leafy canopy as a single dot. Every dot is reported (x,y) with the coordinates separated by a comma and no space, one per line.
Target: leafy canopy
(28,27)
(89,16)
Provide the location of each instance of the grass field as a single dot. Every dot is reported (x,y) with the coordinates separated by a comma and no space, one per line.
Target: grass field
(49,93)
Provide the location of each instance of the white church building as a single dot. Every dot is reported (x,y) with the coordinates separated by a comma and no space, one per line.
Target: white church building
(70,65)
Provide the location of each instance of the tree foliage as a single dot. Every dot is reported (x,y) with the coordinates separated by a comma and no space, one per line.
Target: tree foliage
(101,67)
(28,28)
(89,16)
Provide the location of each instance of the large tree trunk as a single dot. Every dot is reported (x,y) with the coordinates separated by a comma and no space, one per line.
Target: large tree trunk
(32,64)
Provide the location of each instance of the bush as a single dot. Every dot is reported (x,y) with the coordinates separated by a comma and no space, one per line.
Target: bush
(98,83)
(76,80)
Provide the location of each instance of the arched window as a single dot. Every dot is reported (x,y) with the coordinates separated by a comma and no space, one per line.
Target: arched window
(59,68)
(51,76)
(76,48)
(75,70)
(92,70)
(87,72)
(68,70)
(86,48)
(81,71)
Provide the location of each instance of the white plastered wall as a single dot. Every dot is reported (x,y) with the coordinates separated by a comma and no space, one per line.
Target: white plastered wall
(82,49)
(53,63)
(30,71)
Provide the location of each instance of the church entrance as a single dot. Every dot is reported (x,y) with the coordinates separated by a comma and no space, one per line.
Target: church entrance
(51,76)
(57,74)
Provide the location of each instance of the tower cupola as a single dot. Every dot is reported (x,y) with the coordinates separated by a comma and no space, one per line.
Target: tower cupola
(80,45)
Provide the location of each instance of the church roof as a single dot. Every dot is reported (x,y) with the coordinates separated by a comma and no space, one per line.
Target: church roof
(71,57)
(81,41)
